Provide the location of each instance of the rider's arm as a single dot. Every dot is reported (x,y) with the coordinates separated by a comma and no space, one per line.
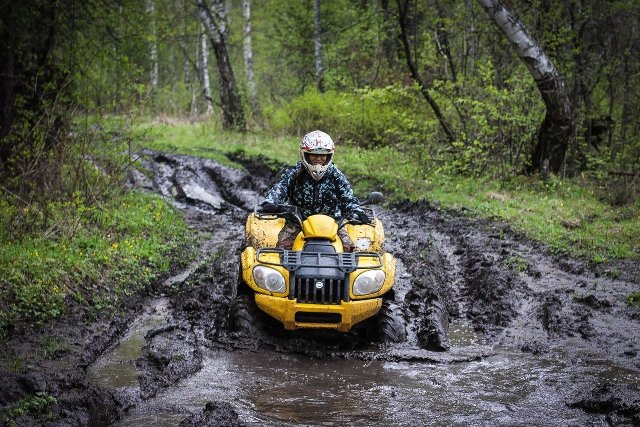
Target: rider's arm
(279,192)
(347,202)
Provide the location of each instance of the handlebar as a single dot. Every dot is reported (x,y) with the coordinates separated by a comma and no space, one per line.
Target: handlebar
(281,211)
(293,212)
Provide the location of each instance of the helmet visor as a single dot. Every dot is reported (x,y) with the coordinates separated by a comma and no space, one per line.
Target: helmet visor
(318,158)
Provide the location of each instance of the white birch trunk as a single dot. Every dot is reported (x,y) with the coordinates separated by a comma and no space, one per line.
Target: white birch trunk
(558,127)
(526,47)
(231,104)
(220,9)
(204,64)
(318,46)
(194,83)
(248,57)
(153,76)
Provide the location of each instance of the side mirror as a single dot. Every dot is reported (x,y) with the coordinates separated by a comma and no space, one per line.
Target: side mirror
(373,198)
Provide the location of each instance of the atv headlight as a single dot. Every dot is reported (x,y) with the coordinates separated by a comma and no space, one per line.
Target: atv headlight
(368,282)
(268,278)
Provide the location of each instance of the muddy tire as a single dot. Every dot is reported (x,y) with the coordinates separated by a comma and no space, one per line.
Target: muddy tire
(241,287)
(390,323)
(245,316)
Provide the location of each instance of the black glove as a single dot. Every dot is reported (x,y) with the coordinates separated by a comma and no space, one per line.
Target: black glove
(361,217)
(268,207)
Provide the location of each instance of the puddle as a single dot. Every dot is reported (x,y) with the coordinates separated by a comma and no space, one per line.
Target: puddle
(115,369)
(269,388)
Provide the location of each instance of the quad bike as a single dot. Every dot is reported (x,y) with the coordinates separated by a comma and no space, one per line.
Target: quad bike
(317,284)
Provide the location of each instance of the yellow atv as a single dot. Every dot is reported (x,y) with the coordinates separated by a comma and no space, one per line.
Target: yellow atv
(316,284)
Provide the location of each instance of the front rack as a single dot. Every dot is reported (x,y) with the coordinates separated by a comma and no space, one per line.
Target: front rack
(346,262)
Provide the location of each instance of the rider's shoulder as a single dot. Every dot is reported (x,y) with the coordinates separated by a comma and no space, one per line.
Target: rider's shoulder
(335,173)
(289,171)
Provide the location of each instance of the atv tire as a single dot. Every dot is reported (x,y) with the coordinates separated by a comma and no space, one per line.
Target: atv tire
(246,317)
(390,324)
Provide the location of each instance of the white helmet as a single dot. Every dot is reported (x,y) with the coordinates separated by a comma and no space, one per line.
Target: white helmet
(317,142)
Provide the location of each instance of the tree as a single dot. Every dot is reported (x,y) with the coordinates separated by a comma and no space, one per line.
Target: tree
(31,81)
(232,111)
(318,46)
(403,19)
(558,126)
(153,48)
(204,72)
(248,57)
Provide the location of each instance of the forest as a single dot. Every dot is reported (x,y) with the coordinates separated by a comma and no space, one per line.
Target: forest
(470,87)
(505,135)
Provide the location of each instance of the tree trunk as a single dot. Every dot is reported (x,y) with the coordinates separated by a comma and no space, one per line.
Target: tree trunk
(248,57)
(403,7)
(153,48)
(388,36)
(558,126)
(232,111)
(442,42)
(204,72)
(318,46)
(195,110)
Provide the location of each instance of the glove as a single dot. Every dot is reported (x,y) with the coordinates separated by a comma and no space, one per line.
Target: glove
(361,217)
(268,207)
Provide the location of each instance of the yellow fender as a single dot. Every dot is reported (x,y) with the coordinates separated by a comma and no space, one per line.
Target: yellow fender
(263,232)
(367,238)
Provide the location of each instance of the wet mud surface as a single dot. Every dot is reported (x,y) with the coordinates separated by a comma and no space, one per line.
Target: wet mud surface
(499,332)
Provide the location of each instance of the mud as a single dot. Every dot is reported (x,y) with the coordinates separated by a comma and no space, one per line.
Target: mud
(500,332)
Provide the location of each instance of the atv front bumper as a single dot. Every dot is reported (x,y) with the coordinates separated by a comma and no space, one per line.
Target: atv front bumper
(341,317)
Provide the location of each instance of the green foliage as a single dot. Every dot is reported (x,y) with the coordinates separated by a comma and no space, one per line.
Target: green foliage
(19,366)
(369,117)
(115,249)
(52,346)
(500,123)
(634,299)
(32,405)
(516,263)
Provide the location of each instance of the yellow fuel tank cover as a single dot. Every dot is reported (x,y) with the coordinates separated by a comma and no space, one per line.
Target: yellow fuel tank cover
(320,227)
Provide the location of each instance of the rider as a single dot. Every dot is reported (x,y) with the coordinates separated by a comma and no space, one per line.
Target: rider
(316,186)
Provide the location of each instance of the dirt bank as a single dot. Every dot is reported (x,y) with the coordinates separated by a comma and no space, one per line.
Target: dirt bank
(515,297)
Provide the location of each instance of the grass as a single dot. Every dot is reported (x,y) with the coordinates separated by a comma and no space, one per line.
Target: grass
(633,299)
(104,255)
(564,214)
(32,405)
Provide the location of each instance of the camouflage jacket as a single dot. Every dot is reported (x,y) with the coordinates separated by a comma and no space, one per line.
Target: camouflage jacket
(332,195)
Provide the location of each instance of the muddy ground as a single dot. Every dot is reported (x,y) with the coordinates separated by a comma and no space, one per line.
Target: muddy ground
(499,332)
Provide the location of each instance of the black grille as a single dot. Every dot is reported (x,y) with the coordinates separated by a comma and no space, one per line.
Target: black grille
(319,291)
(304,317)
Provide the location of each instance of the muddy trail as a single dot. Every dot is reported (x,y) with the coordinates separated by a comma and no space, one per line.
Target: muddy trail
(499,332)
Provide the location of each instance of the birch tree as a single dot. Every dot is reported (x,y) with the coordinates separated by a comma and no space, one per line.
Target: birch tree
(204,71)
(248,57)
(232,111)
(153,49)
(318,46)
(558,126)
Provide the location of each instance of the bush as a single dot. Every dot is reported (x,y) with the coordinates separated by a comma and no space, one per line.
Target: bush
(390,116)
